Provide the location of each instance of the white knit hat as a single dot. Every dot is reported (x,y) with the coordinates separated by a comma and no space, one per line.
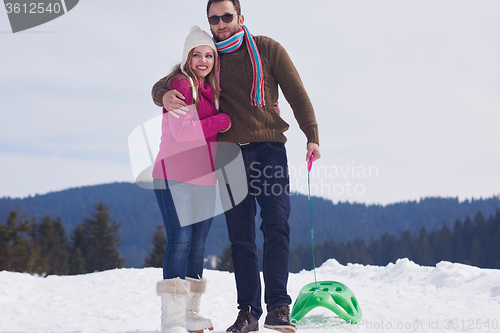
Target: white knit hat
(196,37)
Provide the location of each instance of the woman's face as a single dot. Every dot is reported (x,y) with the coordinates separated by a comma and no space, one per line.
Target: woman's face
(202,61)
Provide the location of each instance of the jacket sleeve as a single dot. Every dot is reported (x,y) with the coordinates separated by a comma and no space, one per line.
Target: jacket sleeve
(294,91)
(213,124)
(190,127)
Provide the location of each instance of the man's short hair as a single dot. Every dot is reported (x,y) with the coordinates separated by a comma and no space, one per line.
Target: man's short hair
(236,4)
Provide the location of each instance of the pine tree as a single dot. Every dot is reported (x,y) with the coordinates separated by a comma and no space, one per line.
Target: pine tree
(307,258)
(18,251)
(100,241)
(493,248)
(51,237)
(226,261)
(442,244)
(3,247)
(157,252)
(299,255)
(385,249)
(305,255)
(424,255)
(330,249)
(318,256)
(358,248)
(460,254)
(403,248)
(476,251)
(78,242)
(468,235)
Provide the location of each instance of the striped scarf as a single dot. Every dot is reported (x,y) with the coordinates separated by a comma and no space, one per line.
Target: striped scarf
(232,44)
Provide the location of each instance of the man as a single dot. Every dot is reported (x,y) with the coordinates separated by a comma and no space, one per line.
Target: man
(251,68)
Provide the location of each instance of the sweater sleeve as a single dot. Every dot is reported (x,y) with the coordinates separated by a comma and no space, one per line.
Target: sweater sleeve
(293,89)
(159,89)
(213,124)
(190,127)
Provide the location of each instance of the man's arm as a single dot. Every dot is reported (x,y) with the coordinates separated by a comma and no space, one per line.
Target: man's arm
(171,100)
(293,89)
(296,95)
(159,89)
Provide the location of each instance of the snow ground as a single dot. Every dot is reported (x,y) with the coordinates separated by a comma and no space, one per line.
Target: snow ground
(400,297)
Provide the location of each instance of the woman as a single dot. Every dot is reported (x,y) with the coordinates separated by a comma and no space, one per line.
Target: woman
(185,182)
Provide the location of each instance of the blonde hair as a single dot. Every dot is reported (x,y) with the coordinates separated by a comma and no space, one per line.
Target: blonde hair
(212,78)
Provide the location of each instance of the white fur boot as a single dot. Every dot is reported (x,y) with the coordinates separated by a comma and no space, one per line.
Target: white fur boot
(194,322)
(174,295)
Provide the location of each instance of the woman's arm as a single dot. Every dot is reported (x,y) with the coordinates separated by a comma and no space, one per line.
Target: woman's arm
(190,127)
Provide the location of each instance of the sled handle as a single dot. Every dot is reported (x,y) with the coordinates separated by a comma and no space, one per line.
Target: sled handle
(310,163)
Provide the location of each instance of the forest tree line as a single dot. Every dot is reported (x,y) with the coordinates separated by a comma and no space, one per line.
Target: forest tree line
(471,241)
(44,247)
(137,211)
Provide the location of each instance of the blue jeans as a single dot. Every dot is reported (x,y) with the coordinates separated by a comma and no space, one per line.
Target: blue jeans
(268,185)
(185,250)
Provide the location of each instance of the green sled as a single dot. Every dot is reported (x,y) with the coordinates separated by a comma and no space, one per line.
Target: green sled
(332,295)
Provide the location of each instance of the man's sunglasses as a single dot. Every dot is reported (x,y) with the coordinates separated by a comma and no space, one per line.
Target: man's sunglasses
(226,18)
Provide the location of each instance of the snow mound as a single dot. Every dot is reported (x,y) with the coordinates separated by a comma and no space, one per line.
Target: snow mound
(403,297)
(448,275)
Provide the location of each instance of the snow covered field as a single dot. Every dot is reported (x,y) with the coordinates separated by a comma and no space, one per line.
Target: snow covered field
(401,297)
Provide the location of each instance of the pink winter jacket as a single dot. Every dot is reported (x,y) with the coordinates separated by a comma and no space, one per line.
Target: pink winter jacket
(186,154)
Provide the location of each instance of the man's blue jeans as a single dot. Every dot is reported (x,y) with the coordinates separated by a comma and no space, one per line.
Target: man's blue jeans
(268,185)
(185,250)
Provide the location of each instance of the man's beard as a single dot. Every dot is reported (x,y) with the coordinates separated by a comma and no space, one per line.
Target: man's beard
(218,39)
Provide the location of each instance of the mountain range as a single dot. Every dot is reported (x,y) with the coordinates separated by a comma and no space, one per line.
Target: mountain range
(136,210)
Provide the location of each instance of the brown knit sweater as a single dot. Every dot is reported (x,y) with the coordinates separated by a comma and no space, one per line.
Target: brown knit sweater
(259,124)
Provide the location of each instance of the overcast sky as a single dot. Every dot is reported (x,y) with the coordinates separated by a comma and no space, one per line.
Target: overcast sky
(406,93)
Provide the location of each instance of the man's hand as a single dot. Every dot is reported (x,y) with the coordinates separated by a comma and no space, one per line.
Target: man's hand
(312,148)
(173,102)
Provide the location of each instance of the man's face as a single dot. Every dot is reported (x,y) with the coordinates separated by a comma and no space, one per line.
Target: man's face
(223,31)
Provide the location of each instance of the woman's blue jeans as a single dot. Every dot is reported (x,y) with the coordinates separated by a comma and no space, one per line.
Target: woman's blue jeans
(185,250)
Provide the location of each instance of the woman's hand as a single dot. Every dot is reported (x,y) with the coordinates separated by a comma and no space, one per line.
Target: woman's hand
(277,108)
(224,130)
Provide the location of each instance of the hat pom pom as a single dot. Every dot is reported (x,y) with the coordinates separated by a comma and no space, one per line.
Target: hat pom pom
(194,28)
